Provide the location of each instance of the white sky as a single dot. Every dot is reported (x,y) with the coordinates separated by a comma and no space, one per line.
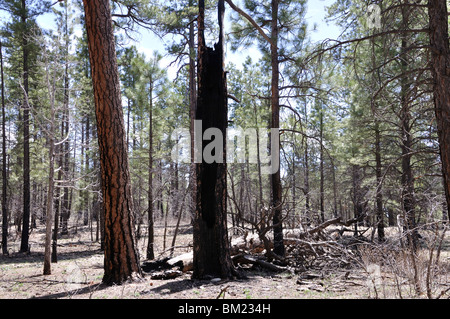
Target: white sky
(148,42)
(315,14)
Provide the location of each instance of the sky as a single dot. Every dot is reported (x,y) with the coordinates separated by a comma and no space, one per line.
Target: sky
(147,42)
(315,15)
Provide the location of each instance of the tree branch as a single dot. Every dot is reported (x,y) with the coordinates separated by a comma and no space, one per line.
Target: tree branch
(249,18)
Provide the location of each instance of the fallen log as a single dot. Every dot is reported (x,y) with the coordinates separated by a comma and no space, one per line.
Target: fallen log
(166,274)
(248,259)
(185,261)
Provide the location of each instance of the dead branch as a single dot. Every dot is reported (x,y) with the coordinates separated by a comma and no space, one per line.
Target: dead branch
(248,259)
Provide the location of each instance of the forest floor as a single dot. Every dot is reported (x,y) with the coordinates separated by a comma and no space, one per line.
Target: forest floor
(79,270)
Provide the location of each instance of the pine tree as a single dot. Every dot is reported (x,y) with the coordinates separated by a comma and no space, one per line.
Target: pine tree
(23,14)
(121,258)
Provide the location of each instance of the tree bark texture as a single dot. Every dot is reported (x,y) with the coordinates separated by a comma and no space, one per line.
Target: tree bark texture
(121,261)
(26,137)
(407,178)
(4,168)
(275,101)
(151,235)
(440,68)
(211,247)
(49,205)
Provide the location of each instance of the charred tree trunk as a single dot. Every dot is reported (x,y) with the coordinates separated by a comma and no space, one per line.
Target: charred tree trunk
(278,245)
(306,174)
(322,191)
(4,168)
(121,261)
(379,194)
(440,68)
(211,246)
(192,109)
(26,137)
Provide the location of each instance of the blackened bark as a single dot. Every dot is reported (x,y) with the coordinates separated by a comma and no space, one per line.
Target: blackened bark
(121,261)
(440,68)
(26,137)
(192,110)
(211,247)
(306,176)
(379,194)
(356,198)
(4,173)
(322,191)
(278,245)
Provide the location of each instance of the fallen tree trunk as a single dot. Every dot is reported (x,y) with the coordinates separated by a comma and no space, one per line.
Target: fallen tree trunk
(253,242)
(242,247)
(248,259)
(186,261)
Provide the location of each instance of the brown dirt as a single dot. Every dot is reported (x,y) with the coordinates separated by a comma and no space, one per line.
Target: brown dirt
(79,272)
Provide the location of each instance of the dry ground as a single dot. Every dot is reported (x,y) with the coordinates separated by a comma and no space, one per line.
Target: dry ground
(79,272)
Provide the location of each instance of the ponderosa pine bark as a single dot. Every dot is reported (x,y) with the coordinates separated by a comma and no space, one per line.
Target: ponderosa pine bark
(211,247)
(440,69)
(121,261)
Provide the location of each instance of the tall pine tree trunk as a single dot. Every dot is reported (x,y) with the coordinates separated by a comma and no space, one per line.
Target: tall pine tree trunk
(322,177)
(278,245)
(150,250)
(407,179)
(26,136)
(121,261)
(440,68)
(51,183)
(379,194)
(211,247)
(378,163)
(192,110)
(4,172)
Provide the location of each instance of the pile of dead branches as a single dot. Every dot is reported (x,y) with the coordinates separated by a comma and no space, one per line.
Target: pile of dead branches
(317,247)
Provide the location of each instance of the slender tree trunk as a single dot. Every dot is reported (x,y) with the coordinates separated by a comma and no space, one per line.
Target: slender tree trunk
(278,245)
(407,178)
(378,164)
(4,166)
(121,260)
(440,68)
(379,194)
(57,201)
(24,247)
(65,211)
(49,205)
(335,205)
(86,192)
(356,185)
(322,194)
(306,176)
(150,250)
(211,246)
(192,110)
(49,210)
